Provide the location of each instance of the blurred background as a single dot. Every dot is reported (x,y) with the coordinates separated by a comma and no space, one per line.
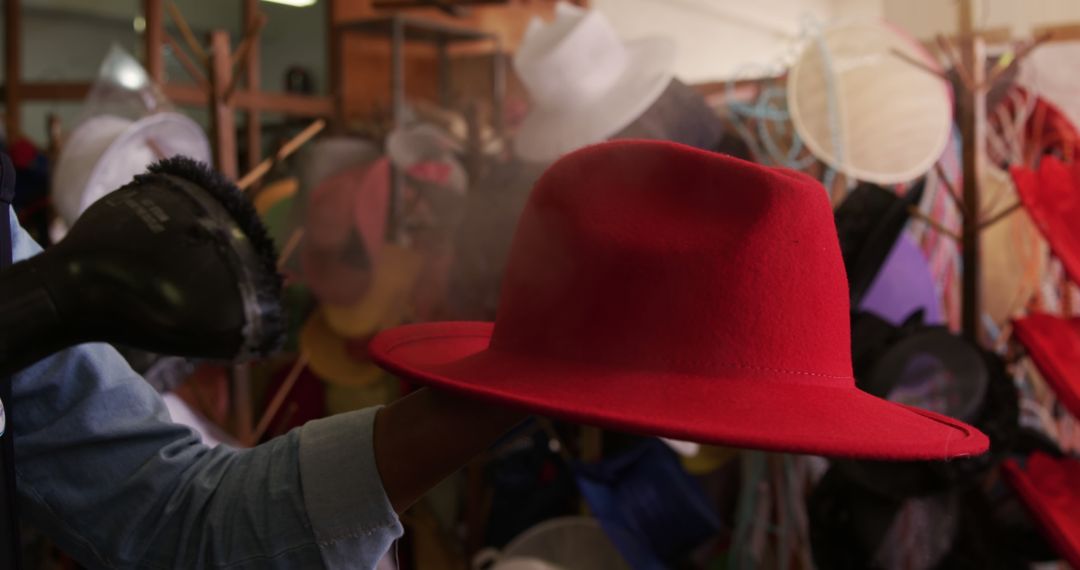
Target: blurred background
(390,145)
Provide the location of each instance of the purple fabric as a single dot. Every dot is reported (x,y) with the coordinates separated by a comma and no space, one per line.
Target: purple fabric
(903,286)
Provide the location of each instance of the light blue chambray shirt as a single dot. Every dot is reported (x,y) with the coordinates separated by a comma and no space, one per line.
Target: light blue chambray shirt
(106,474)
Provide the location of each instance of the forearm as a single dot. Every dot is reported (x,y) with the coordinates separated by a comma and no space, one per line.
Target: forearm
(426,436)
(110,479)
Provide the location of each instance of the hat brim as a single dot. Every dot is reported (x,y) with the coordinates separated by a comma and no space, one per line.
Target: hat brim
(549,132)
(760,412)
(1045,487)
(1053,343)
(1042,200)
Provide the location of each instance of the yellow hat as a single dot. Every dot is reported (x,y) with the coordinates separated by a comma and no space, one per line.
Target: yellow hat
(1013,252)
(274,193)
(341,399)
(329,357)
(709,458)
(385,303)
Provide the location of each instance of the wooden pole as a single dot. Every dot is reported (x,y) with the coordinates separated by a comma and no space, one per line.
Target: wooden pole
(498,87)
(223,132)
(397,101)
(253,130)
(443,50)
(186,33)
(972,113)
(13,67)
(290,146)
(222,120)
(154,40)
(335,45)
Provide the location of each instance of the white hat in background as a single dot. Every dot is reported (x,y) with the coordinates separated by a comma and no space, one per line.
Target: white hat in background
(585,84)
(420,143)
(1052,71)
(105,152)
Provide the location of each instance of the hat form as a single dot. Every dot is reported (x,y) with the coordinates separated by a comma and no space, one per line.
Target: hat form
(1053,343)
(1048,487)
(658,289)
(584,83)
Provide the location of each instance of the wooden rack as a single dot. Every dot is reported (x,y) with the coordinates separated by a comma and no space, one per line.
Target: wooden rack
(218,74)
(400,29)
(250,100)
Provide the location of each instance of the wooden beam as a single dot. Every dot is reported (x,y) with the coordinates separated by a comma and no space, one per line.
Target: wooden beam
(52,91)
(154,40)
(194,71)
(186,33)
(187,95)
(286,150)
(293,105)
(1059,33)
(253,79)
(285,103)
(222,118)
(13,67)
(989,36)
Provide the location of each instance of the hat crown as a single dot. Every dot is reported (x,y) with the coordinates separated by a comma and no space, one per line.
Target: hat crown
(652,256)
(574,59)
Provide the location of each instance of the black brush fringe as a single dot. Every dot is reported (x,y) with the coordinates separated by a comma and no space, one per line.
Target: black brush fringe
(269,283)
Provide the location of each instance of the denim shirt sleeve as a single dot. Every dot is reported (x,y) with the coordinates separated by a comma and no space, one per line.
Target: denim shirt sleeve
(103,470)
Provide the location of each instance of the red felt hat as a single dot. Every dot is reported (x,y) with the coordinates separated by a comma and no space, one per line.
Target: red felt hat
(1053,343)
(1048,487)
(658,289)
(1052,197)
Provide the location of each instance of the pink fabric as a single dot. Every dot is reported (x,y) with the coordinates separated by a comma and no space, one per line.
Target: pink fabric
(344,229)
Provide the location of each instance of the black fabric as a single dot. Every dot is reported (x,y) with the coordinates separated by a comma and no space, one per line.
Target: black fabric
(857,502)
(869,222)
(849,524)
(9,523)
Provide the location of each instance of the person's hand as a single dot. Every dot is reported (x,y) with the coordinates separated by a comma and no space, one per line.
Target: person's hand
(426,436)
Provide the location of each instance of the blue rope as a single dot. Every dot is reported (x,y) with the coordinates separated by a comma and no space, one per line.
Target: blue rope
(769,112)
